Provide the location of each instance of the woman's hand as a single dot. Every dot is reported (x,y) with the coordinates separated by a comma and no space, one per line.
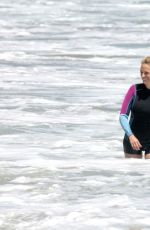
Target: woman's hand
(135,142)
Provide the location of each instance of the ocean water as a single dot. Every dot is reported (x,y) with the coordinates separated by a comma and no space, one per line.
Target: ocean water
(64,69)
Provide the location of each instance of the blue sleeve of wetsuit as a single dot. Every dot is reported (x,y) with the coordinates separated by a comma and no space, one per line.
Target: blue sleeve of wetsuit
(125,124)
(125,110)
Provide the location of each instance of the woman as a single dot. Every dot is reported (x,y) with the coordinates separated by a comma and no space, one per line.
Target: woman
(137,104)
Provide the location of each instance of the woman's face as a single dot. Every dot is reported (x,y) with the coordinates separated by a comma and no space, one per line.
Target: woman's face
(145,74)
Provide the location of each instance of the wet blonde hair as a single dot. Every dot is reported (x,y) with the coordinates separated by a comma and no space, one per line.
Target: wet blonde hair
(146,60)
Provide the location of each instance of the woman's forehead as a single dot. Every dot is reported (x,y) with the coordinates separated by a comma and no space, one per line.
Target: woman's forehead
(145,67)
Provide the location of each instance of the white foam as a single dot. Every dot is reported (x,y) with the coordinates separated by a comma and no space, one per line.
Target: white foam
(22,180)
(64,144)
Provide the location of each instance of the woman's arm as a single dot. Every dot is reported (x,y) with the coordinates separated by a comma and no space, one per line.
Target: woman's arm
(124,115)
(125,110)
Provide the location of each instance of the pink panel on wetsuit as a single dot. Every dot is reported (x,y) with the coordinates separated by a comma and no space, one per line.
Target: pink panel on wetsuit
(127,100)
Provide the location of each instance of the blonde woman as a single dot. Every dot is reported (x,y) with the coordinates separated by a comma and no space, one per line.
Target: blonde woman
(135,116)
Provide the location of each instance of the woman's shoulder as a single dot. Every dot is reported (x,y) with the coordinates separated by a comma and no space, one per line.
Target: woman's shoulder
(134,88)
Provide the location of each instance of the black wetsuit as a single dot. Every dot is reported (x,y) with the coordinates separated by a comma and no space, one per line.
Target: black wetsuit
(136,103)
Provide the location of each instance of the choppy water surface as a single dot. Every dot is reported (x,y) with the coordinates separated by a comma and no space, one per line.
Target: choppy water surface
(65,67)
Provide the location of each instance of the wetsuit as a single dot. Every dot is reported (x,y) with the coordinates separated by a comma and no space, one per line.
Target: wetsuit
(136,104)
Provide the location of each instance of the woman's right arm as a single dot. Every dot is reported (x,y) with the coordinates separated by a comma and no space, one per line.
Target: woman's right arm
(125,110)
(124,115)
